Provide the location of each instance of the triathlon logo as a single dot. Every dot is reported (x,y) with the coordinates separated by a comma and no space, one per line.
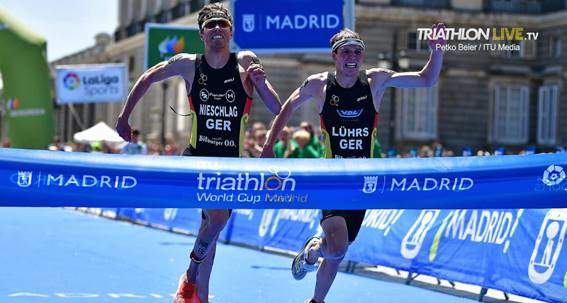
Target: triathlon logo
(202,79)
(277,179)
(169,214)
(248,23)
(71,81)
(230,96)
(413,241)
(204,95)
(13,103)
(334,100)
(548,246)
(24,178)
(370,184)
(171,46)
(553,175)
(275,182)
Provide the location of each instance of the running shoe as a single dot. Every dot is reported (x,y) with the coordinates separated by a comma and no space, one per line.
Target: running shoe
(299,266)
(186,292)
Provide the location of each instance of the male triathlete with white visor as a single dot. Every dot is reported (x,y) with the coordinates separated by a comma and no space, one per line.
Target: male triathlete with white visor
(348,101)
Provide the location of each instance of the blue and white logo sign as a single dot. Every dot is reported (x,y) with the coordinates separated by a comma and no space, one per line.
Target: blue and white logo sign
(553,175)
(349,113)
(289,26)
(370,183)
(248,22)
(24,178)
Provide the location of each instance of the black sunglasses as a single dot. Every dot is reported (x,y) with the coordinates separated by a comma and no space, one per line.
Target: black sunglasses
(213,23)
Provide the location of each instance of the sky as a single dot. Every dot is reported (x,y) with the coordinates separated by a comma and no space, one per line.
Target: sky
(67,25)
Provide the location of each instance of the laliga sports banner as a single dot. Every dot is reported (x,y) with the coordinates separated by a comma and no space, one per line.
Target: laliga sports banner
(43,178)
(95,83)
(164,41)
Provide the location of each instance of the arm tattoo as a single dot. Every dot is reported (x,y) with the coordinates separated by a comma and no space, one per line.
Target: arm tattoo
(201,248)
(174,58)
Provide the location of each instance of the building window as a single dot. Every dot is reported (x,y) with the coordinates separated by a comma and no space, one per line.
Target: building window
(515,6)
(180,10)
(163,16)
(413,43)
(119,34)
(554,47)
(528,49)
(129,11)
(197,5)
(419,113)
(132,29)
(510,114)
(131,64)
(547,114)
(143,9)
(422,3)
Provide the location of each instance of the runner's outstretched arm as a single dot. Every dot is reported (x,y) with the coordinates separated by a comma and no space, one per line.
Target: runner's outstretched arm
(426,77)
(180,65)
(311,89)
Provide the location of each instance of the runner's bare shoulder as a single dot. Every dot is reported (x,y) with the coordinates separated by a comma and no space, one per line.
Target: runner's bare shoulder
(183,64)
(378,72)
(314,84)
(182,58)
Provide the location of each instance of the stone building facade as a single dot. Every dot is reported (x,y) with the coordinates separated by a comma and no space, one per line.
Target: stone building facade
(484,99)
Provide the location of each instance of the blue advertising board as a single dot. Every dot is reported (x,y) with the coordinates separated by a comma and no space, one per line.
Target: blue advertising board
(518,251)
(289,26)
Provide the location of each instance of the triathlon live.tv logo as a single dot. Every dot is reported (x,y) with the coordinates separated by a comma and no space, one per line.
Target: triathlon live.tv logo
(508,39)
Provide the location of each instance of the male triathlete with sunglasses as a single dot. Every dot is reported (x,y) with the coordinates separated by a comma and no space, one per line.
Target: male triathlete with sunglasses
(220,86)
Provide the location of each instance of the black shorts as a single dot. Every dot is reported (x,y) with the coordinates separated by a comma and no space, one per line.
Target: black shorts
(203,214)
(187,153)
(353,219)
(190,152)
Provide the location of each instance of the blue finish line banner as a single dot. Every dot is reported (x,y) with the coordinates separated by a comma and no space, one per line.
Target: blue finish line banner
(44,178)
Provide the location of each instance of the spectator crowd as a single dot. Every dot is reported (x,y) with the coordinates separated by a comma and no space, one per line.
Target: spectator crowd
(302,141)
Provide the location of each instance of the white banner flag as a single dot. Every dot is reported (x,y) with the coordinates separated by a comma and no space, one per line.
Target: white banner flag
(100,83)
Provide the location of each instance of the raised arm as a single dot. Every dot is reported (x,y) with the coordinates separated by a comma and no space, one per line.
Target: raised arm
(427,77)
(180,65)
(257,76)
(310,90)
